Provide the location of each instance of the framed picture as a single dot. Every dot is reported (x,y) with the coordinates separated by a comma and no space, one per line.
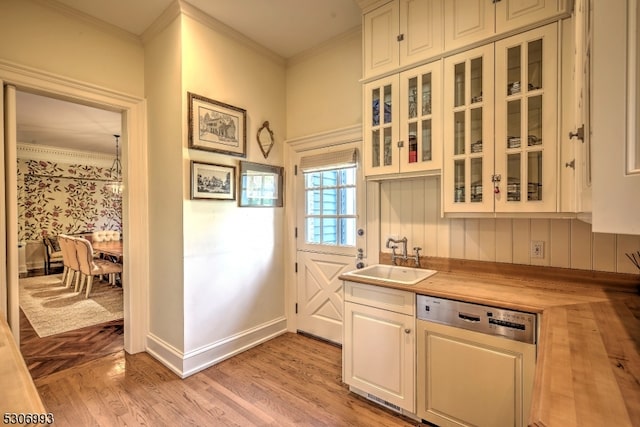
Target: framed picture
(215,126)
(210,181)
(260,185)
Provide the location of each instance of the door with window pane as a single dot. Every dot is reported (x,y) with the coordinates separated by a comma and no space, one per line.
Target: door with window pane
(327,224)
(526,121)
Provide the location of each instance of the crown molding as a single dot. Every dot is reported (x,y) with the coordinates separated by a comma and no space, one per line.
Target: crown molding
(70,12)
(163,21)
(26,151)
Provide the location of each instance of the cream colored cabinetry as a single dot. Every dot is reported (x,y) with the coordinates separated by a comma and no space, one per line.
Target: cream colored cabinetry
(400,33)
(379,344)
(500,394)
(501,125)
(615,124)
(578,125)
(470,21)
(403,122)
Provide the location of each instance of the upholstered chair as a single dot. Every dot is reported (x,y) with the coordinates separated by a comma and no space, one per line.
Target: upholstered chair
(90,267)
(72,259)
(52,253)
(98,236)
(64,248)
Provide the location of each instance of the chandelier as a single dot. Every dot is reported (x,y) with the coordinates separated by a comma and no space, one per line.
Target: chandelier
(115,184)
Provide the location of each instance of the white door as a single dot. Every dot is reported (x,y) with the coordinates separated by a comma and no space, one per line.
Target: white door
(330,211)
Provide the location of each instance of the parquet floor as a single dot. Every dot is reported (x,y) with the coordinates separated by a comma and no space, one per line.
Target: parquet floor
(44,356)
(291,380)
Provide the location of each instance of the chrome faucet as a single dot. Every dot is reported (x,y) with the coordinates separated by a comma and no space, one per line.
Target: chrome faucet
(393,248)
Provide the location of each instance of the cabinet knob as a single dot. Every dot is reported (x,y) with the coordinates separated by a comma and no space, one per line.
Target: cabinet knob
(407,331)
(571,164)
(579,133)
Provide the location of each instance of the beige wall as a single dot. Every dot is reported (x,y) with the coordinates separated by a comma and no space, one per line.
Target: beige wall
(53,40)
(411,208)
(323,88)
(233,265)
(164,114)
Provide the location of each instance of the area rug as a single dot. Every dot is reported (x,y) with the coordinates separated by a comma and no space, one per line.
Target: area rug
(52,309)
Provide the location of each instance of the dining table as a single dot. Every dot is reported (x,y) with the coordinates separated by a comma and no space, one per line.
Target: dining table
(112,248)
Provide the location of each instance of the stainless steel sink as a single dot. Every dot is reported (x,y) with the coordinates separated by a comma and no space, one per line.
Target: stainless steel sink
(390,273)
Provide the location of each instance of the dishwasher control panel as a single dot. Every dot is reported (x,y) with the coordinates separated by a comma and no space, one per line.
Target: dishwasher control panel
(512,324)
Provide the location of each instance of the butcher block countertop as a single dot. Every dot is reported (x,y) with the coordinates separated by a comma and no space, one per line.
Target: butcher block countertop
(18,394)
(588,368)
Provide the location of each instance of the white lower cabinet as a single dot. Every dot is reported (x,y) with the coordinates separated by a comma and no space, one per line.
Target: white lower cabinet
(379,344)
(466,378)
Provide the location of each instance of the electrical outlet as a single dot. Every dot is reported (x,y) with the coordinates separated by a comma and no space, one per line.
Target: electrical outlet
(537,249)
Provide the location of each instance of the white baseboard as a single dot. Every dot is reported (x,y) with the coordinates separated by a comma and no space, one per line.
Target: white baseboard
(189,363)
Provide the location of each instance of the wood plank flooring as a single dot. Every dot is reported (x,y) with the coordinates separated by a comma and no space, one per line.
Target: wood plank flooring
(289,380)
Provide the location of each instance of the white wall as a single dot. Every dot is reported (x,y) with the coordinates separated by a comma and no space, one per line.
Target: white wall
(233,263)
(49,37)
(323,88)
(411,208)
(166,269)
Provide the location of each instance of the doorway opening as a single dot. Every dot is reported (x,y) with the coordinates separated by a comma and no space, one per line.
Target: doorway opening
(66,155)
(135,202)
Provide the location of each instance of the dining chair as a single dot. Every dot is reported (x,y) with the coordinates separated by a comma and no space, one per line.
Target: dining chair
(73,272)
(91,267)
(98,236)
(62,241)
(52,253)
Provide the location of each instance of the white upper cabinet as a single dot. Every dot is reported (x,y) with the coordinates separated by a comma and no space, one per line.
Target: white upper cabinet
(468,130)
(468,21)
(526,116)
(615,122)
(400,33)
(501,125)
(402,116)
(472,21)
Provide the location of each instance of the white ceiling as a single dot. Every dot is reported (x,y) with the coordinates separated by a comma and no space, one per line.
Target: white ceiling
(286,27)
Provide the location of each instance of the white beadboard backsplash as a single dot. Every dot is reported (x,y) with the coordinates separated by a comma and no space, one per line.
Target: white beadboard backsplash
(411,208)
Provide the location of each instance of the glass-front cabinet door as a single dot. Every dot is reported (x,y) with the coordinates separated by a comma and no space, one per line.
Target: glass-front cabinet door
(468,131)
(381,131)
(526,95)
(420,115)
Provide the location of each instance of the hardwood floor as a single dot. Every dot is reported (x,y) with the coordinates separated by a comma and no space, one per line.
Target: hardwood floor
(44,356)
(290,380)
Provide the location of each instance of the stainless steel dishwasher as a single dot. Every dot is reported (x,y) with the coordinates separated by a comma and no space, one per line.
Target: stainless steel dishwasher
(475,363)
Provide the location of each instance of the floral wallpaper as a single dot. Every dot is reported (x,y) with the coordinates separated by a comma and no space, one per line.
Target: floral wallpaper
(56,198)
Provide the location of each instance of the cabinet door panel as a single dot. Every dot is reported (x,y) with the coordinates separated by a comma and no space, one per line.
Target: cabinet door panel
(421,26)
(379,353)
(381,106)
(381,28)
(420,118)
(494,390)
(467,21)
(526,121)
(468,131)
(513,14)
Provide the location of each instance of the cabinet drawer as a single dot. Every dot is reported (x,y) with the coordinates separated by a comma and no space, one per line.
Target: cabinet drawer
(380,297)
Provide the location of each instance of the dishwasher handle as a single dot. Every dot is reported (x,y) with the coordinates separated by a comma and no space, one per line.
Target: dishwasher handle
(469,317)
